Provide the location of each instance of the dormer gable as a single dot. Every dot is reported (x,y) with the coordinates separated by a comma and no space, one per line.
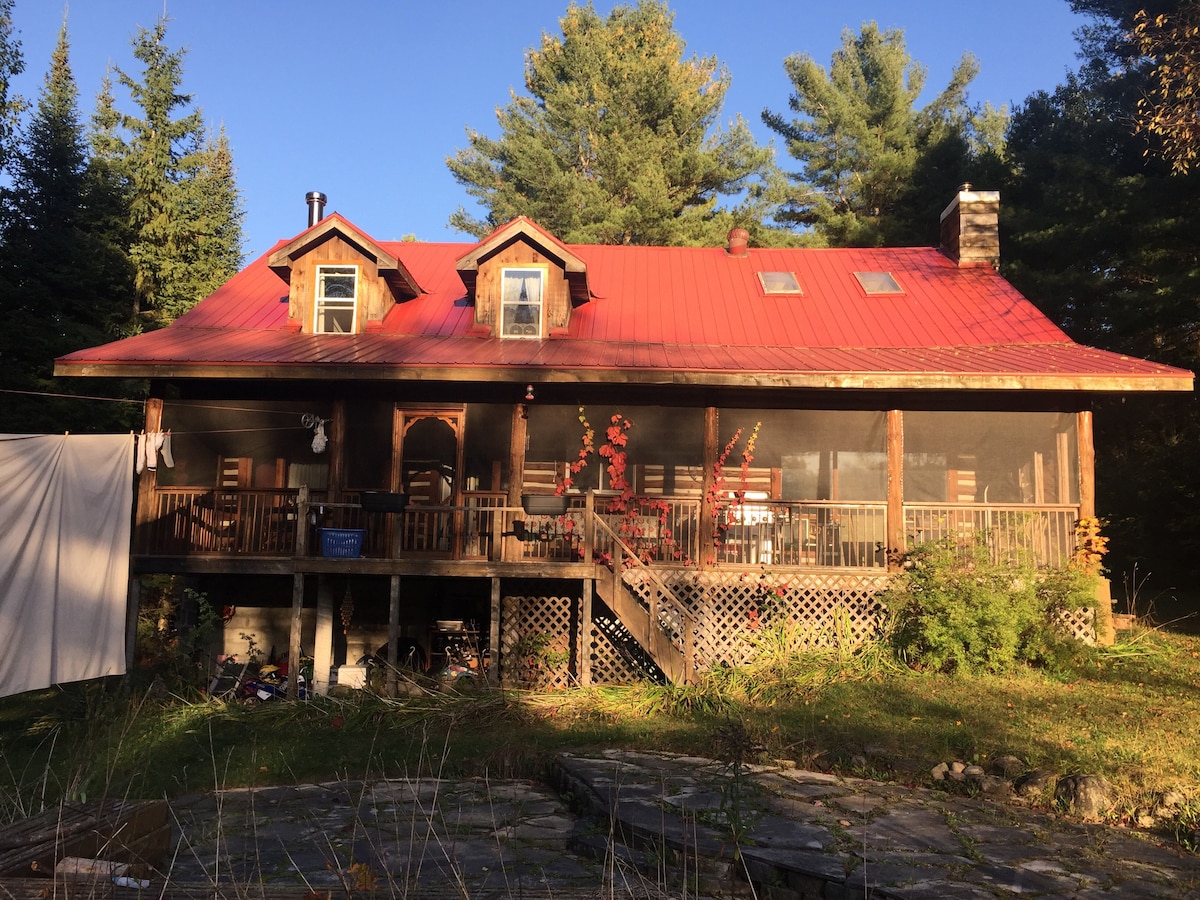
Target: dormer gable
(339,279)
(522,281)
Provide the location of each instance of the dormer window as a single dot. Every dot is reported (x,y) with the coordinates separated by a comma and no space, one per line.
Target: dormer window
(337,300)
(521,302)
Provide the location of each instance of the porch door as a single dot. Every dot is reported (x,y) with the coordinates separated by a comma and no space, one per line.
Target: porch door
(428,452)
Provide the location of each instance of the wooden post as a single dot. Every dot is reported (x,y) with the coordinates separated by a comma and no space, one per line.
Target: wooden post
(1087,465)
(707,530)
(298,596)
(147,482)
(583,634)
(1105,633)
(393,633)
(895,487)
(294,651)
(494,635)
(589,527)
(132,606)
(302,510)
(337,449)
(516,470)
(323,640)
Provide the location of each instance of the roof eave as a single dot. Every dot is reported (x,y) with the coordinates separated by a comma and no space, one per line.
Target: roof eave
(870,381)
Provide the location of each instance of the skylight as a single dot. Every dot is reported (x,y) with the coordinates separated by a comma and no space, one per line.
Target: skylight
(779,283)
(878,283)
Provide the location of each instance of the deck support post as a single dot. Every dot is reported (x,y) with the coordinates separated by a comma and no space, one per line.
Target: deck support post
(494,635)
(133,605)
(323,642)
(393,633)
(583,651)
(294,651)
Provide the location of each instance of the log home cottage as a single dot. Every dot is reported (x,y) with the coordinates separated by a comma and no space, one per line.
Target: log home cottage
(371,440)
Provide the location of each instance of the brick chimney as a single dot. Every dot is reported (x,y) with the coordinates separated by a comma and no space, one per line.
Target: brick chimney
(970,228)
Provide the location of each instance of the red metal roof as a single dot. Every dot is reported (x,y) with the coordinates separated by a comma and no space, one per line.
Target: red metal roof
(662,315)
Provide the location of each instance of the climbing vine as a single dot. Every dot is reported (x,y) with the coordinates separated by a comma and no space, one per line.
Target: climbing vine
(722,501)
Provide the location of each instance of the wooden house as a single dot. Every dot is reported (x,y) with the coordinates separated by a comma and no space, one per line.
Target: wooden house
(373,441)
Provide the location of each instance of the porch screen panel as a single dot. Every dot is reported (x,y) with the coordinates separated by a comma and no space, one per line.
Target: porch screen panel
(664,453)
(270,436)
(486,446)
(368,444)
(838,455)
(991,457)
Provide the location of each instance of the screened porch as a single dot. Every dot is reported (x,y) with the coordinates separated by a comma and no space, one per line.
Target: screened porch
(704,487)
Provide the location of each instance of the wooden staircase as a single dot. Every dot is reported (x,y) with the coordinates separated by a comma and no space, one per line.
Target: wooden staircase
(660,623)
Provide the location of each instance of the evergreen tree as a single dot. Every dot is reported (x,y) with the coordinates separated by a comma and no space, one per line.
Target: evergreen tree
(1102,237)
(866,152)
(618,141)
(64,280)
(181,242)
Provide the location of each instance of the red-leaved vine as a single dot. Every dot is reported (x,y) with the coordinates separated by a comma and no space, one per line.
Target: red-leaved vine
(587,448)
(722,502)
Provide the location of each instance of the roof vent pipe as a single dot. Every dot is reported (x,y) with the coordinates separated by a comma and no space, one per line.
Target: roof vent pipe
(739,242)
(316,207)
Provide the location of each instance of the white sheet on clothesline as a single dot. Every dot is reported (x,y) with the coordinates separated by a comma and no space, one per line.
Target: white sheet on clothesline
(65,519)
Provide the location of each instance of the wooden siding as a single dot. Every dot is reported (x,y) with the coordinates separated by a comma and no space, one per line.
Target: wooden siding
(374,299)
(556,298)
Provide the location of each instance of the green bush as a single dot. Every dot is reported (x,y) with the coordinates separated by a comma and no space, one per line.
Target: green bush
(952,609)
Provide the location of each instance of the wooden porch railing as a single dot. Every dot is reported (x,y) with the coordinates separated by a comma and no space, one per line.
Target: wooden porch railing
(809,534)
(662,531)
(1044,534)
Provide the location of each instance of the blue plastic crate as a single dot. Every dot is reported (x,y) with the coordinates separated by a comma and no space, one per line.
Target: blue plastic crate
(341,543)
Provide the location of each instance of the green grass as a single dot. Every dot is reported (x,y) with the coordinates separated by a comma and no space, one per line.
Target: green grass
(1128,713)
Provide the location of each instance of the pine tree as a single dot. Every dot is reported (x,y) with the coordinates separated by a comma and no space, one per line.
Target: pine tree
(865,150)
(1102,236)
(162,162)
(617,141)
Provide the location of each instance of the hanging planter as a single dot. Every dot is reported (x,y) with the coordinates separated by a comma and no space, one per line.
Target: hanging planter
(544,504)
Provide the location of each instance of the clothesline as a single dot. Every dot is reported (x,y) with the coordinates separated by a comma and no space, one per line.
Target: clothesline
(250,409)
(69,396)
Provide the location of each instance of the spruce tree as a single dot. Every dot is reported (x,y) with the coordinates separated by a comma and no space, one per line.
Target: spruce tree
(65,279)
(162,161)
(618,141)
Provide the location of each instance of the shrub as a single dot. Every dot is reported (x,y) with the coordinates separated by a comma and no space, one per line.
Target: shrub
(953,609)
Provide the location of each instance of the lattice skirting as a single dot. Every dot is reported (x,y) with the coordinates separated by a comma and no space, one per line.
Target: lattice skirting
(729,608)
(824,610)
(537,636)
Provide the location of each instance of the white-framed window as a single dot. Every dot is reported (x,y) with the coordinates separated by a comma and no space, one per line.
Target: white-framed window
(336,300)
(521,302)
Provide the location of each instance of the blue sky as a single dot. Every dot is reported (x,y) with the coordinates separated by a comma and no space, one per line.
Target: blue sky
(364,99)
